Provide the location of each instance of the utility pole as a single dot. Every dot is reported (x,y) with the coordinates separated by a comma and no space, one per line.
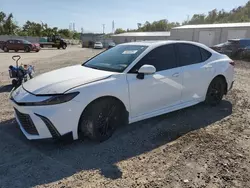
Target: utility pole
(103,28)
(113,26)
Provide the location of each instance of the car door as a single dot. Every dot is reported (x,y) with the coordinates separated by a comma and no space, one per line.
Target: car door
(15,45)
(9,44)
(196,69)
(157,91)
(19,45)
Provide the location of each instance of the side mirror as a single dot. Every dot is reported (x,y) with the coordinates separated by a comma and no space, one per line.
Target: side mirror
(146,69)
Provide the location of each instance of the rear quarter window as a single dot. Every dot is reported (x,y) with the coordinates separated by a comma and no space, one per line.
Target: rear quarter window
(205,55)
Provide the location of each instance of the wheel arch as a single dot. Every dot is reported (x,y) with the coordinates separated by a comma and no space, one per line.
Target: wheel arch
(221,76)
(103,98)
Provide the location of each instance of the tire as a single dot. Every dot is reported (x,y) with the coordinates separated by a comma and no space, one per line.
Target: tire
(215,92)
(101,118)
(5,49)
(37,50)
(64,46)
(58,47)
(27,49)
(14,82)
(16,50)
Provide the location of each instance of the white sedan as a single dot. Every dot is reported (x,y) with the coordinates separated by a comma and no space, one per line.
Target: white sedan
(126,84)
(98,45)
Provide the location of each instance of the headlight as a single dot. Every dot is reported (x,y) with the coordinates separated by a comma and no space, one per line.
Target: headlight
(55,99)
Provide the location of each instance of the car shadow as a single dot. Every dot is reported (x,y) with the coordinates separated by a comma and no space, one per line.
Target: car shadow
(29,163)
(6,88)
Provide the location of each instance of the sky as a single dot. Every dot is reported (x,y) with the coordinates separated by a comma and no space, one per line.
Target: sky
(92,14)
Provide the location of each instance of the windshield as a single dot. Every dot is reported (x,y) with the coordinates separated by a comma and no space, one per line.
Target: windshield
(116,59)
(26,42)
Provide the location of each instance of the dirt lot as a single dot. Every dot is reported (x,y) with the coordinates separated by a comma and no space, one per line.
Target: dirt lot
(199,146)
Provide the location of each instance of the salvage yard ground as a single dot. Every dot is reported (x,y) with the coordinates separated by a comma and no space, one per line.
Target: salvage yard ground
(199,146)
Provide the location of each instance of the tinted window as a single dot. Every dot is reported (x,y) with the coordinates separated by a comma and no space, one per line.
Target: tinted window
(245,42)
(162,58)
(116,59)
(25,42)
(188,54)
(205,55)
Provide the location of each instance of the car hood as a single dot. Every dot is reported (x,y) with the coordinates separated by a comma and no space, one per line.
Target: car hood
(219,45)
(61,80)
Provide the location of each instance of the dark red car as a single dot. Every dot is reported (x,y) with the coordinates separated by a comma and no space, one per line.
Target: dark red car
(19,44)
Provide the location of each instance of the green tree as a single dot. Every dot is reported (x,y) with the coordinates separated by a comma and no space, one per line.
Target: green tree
(7,25)
(119,30)
(32,29)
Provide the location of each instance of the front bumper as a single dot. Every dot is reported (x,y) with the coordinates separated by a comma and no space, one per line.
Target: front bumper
(44,122)
(98,47)
(36,48)
(231,86)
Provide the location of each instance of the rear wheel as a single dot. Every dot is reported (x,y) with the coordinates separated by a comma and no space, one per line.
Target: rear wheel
(16,50)
(5,49)
(215,91)
(101,118)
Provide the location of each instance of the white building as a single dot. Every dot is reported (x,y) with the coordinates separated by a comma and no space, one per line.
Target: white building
(211,34)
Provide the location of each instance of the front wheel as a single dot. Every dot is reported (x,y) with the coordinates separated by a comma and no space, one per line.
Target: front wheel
(27,49)
(101,118)
(5,49)
(216,91)
(64,46)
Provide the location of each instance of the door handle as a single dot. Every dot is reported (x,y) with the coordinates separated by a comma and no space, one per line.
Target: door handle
(175,75)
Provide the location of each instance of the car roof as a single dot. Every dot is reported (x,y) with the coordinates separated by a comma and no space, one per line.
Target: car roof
(154,44)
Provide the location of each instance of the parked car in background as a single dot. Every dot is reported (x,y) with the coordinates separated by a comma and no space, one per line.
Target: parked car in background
(1,44)
(128,83)
(98,45)
(233,47)
(19,44)
(245,54)
(111,45)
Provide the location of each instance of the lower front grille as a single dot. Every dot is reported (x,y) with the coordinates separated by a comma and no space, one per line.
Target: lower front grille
(53,131)
(26,123)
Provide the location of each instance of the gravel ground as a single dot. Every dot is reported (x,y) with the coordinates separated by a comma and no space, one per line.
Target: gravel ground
(199,146)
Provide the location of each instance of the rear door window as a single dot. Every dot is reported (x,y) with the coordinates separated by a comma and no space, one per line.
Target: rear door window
(188,54)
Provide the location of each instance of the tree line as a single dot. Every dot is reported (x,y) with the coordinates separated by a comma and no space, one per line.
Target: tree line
(240,14)
(9,27)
